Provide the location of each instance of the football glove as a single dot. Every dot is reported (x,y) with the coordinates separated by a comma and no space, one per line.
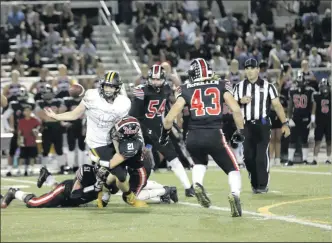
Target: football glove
(164,137)
(238,136)
(291,123)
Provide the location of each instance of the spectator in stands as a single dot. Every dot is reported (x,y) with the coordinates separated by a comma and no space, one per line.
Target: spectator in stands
(296,54)
(212,36)
(4,42)
(170,51)
(50,16)
(220,4)
(256,54)
(66,18)
(245,22)
(88,53)
(264,14)
(195,35)
(15,18)
(30,15)
(18,61)
(192,8)
(315,59)
(240,52)
(24,40)
(85,30)
(153,50)
(36,29)
(182,46)
(279,52)
(298,26)
(229,23)
(199,51)
(218,62)
(209,22)
(169,31)
(34,62)
(52,40)
(68,53)
(184,63)
(188,25)
(326,25)
(264,35)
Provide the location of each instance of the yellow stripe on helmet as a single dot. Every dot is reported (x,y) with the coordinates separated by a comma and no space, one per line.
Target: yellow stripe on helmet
(108,76)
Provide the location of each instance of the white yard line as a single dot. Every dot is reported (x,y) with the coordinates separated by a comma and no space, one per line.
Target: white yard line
(273,217)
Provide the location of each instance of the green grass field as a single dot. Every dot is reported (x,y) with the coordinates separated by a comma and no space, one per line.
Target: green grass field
(297,208)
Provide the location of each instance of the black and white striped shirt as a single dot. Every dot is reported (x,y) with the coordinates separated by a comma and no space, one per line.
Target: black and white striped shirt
(261,93)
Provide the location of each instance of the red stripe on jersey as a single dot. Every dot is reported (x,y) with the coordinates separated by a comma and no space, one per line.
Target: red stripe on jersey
(138,93)
(156,69)
(203,66)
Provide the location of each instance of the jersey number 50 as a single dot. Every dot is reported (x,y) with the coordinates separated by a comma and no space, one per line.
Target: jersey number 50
(198,105)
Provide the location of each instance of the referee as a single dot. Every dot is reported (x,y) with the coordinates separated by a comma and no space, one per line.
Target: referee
(255,96)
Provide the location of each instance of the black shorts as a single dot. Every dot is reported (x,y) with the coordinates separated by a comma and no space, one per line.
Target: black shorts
(228,129)
(300,131)
(28,152)
(275,121)
(204,142)
(323,129)
(13,145)
(106,153)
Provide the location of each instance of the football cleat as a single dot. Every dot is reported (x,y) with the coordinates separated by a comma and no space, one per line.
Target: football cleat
(328,162)
(9,197)
(201,196)
(289,163)
(166,198)
(235,204)
(9,174)
(174,194)
(190,192)
(43,174)
(133,201)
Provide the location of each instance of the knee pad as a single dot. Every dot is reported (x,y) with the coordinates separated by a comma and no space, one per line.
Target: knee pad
(29,197)
(121,174)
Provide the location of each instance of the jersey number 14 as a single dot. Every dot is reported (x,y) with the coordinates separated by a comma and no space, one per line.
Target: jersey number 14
(197,103)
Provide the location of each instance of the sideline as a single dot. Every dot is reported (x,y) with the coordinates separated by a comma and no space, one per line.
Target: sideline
(273,217)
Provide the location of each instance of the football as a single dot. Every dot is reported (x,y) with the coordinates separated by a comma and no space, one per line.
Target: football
(76,90)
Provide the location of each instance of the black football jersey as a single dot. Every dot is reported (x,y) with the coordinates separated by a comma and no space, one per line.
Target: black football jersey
(323,107)
(17,108)
(13,91)
(86,175)
(71,104)
(302,102)
(205,101)
(148,105)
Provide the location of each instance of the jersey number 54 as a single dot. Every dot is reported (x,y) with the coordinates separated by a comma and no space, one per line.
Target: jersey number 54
(154,108)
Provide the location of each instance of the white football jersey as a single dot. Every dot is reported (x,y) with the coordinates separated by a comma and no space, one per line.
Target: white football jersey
(101,116)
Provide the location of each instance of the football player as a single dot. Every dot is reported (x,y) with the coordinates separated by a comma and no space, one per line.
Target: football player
(128,141)
(103,107)
(148,107)
(205,95)
(75,132)
(302,117)
(10,119)
(52,129)
(12,90)
(39,86)
(83,189)
(322,100)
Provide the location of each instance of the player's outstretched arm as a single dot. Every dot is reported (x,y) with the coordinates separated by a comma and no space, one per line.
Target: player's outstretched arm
(67,116)
(174,112)
(234,106)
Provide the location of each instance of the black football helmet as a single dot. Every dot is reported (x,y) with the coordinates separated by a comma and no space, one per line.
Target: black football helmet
(156,76)
(111,79)
(300,81)
(200,70)
(324,86)
(22,94)
(127,127)
(47,93)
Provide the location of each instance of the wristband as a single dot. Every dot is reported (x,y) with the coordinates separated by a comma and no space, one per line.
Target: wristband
(104,163)
(285,123)
(313,118)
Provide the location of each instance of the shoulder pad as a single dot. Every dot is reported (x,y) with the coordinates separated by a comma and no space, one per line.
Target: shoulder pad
(67,98)
(310,88)
(138,92)
(14,102)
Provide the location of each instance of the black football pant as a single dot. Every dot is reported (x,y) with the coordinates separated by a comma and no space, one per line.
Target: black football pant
(204,142)
(75,133)
(256,153)
(299,132)
(52,134)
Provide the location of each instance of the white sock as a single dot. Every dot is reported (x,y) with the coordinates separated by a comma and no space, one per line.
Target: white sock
(198,173)
(50,181)
(305,152)
(180,172)
(61,160)
(19,195)
(21,168)
(9,168)
(234,181)
(71,158)
(147,194)
(150,185)
(81,158)
(315,157)
(291,152)
(277,161)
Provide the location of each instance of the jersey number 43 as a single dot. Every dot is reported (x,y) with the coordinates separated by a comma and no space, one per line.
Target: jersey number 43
(199,100)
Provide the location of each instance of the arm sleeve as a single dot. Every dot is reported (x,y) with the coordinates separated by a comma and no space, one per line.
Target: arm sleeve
(122,106)
(228,87)
(87,99)
(273,91)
